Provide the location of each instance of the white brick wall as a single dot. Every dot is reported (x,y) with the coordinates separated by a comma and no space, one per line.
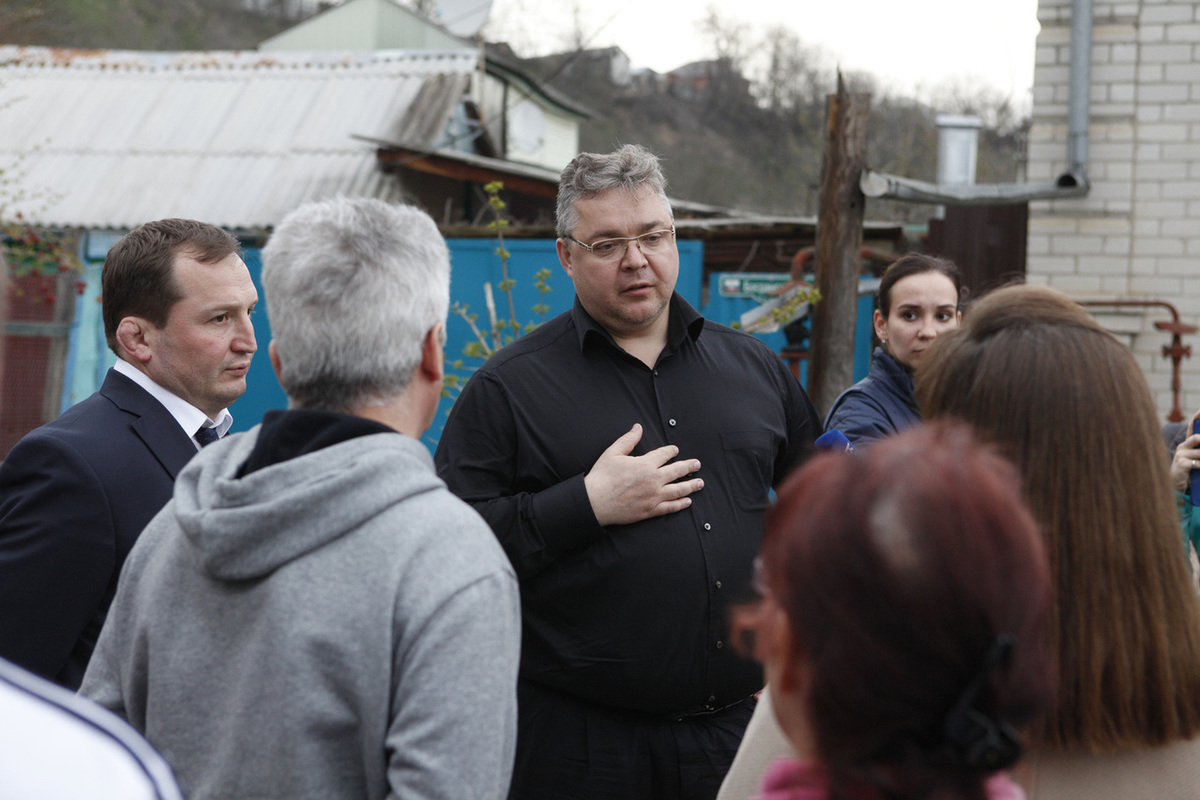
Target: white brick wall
(1137,233)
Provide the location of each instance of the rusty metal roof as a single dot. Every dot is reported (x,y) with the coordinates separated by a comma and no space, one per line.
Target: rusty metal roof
(110,139)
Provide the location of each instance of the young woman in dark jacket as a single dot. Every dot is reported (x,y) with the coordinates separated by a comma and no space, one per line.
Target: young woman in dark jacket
(918,299)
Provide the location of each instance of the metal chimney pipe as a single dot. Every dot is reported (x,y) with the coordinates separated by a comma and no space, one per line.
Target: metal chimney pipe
(958,149)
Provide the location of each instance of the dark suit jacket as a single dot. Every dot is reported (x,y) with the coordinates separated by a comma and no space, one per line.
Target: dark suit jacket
(74,496)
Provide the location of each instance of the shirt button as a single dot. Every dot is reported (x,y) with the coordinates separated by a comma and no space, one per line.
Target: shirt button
(656,373)
(671,422)
(707,527)
(720,644)
(718,584)
(712,698)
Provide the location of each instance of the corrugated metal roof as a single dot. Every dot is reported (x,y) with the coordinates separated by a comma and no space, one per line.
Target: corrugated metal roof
(111,139)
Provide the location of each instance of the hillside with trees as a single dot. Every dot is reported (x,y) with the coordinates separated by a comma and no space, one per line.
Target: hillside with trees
(748,132)
(743,129)
(146,24)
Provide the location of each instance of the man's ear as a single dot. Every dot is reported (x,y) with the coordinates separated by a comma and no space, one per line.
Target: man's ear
(135,339)
(433,356)
(564,257)
(276,364)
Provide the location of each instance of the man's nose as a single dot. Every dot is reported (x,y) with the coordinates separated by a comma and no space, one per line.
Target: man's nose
(633,258)
(244,341)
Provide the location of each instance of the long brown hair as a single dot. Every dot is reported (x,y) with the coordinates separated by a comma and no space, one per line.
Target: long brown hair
(1033,372)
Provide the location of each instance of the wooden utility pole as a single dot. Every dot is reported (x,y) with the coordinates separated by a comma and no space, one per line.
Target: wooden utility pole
(839,240)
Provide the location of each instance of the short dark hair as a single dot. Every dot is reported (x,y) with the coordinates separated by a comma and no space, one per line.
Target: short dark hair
(138,278)
(898,573)
(915,264)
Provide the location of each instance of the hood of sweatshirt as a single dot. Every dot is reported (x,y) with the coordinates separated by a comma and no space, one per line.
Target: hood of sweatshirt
(245,528)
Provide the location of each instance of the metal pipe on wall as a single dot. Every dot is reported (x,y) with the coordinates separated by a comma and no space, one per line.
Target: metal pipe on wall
(1080,87)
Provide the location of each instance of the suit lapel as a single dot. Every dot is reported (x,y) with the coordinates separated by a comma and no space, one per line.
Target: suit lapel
(154,425)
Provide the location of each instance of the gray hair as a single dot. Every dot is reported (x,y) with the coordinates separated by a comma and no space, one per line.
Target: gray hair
(352,286)
(589,174)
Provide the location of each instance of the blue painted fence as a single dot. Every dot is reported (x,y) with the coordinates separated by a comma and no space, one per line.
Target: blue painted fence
(473,262)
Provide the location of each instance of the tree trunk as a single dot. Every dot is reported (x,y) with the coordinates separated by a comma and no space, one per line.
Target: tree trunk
(839,240)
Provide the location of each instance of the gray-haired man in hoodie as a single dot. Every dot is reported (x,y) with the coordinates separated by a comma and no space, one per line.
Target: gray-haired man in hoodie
(314,615)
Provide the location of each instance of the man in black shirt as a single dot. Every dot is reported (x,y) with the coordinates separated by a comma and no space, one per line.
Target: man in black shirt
(623,453)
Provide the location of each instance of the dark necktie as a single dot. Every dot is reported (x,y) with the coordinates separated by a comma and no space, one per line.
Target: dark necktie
(206,436)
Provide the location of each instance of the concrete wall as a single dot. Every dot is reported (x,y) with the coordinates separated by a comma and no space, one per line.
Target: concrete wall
(559,139)
(1137,233)
(364,25)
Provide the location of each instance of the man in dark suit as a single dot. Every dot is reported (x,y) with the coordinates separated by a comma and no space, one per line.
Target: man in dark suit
(76,492)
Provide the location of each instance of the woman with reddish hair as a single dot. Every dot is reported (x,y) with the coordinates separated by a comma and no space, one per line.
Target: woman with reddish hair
(903,624)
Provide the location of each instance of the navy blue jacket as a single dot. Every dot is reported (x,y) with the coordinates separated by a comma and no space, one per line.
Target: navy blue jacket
(877,406)
(74,496)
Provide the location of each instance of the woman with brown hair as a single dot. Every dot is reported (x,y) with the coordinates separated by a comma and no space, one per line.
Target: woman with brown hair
(918,300)
(1036,375)
(899,669)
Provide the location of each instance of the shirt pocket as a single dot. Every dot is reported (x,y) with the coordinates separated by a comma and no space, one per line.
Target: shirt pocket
(749,464)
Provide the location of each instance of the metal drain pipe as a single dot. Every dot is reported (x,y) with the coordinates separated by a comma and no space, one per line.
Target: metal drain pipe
(1072,183)
(1079,98)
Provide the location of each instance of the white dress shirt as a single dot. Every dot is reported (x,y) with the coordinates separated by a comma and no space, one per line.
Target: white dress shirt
(190,418)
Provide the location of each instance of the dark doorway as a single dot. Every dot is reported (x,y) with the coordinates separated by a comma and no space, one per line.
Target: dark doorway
(987,243)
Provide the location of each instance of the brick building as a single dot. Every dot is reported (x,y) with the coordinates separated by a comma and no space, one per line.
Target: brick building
(1136,235)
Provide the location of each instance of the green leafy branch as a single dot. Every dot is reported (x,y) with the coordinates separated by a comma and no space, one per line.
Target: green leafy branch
(806,294)
(29,251)
(500,331)
(798,294)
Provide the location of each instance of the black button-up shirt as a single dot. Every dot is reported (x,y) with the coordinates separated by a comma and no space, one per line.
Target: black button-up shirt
(633,616)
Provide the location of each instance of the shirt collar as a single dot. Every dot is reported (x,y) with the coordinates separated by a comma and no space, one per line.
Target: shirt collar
(682,320)
(190,418)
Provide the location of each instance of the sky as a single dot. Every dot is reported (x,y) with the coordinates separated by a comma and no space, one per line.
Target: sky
(911,47)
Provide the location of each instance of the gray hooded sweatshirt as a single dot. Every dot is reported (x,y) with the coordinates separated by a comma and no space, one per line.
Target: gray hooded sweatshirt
(336,625)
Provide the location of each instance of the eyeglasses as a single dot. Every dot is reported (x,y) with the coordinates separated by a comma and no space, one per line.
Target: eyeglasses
(650,244)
